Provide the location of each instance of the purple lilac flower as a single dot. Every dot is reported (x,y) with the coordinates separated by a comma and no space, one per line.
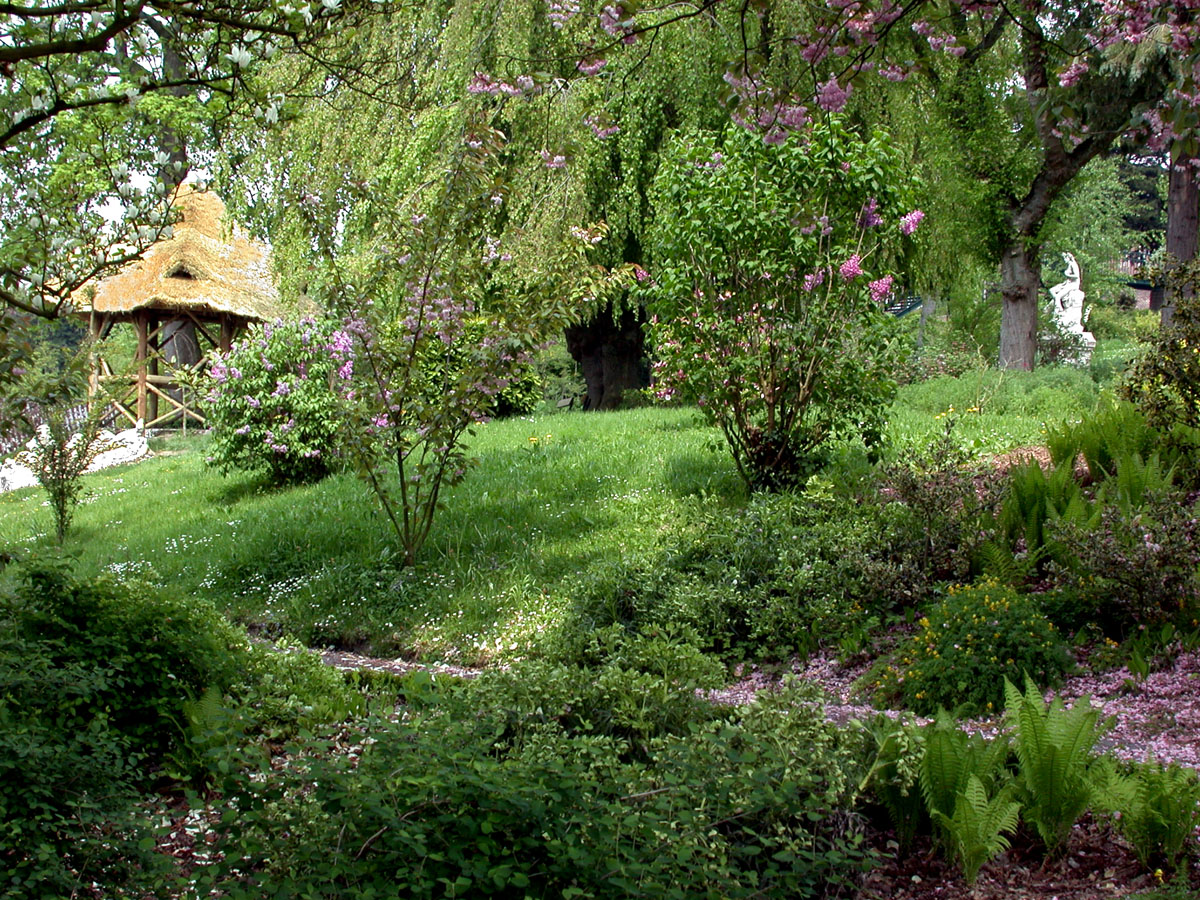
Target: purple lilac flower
(881,288)
(910,221)
(870,217)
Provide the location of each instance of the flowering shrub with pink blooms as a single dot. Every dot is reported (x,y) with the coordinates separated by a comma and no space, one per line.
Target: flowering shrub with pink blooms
(272,407)
(772,263)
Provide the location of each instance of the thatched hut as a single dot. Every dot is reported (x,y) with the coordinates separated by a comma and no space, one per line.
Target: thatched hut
(187,298)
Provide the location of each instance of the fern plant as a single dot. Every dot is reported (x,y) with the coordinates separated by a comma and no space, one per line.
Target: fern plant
(953,757)
(1116,431)
(1032,502)
(1159,810)
(977,828)
(1135,478)
(1054,754)
(895,774)
(211,727)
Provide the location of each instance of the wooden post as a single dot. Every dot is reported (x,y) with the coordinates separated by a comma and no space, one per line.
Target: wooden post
(227,332)
(152,353)
(141,322)
(93,358)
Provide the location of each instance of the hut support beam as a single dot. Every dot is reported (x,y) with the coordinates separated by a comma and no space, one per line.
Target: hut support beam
(141,323)
(153,329)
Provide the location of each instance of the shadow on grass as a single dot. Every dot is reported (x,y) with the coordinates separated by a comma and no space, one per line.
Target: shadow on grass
(704,474)
(229,493)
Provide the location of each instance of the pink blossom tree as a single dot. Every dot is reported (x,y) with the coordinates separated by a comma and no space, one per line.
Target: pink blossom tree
(1077,93)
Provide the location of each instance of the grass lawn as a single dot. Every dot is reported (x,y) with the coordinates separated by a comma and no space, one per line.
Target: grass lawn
(554,496)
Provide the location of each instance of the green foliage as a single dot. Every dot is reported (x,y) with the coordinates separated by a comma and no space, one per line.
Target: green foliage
(153,650)
(893,778)
(435,334)
(972,639)
(951,758)
(994,410)
(629,689)
(1128,325)
(945,496)
(41,402)
(1159,811)
(761,307)
(91,676)
(1136,563)
(732,806)
(1164,381)
(976,830)
(1178,888)
(101,679)
(1115,430)
(1054,752)
(273,408)
(784,575)
(1032,502)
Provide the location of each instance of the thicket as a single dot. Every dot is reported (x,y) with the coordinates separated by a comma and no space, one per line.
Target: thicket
(273,408)
(523,785)
(104,682)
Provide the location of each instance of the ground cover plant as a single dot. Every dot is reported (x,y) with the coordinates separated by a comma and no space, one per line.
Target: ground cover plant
(106,684)
(620,574)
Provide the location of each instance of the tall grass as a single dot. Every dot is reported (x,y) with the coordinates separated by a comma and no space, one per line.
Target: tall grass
(992,410)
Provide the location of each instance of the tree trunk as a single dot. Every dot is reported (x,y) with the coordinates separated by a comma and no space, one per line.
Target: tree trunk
(928,305)
(180,347)
(609,349)
(1020,280)
(1183,228)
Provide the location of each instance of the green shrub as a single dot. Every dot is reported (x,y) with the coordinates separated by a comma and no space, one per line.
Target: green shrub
(101,681)
(151,650)
(1164,381)
(1032,502)
(783,575)
(732,807)
(628,688)
(1108,322)
(93,677)
(272,407)
(894,777)
(1136,565)
(966,645)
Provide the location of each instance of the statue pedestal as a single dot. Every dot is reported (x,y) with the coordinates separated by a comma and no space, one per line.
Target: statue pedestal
(1084,357)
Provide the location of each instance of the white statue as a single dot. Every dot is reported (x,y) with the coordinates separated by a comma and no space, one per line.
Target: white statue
(1068,308)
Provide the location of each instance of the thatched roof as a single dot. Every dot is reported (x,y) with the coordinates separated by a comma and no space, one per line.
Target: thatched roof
(201,268)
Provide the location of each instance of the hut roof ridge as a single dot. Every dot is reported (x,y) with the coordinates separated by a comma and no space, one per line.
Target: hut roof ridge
(202,268)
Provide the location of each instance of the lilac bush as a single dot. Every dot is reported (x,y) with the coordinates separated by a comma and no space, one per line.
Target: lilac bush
(272,407)
(442,321)
(772,264)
